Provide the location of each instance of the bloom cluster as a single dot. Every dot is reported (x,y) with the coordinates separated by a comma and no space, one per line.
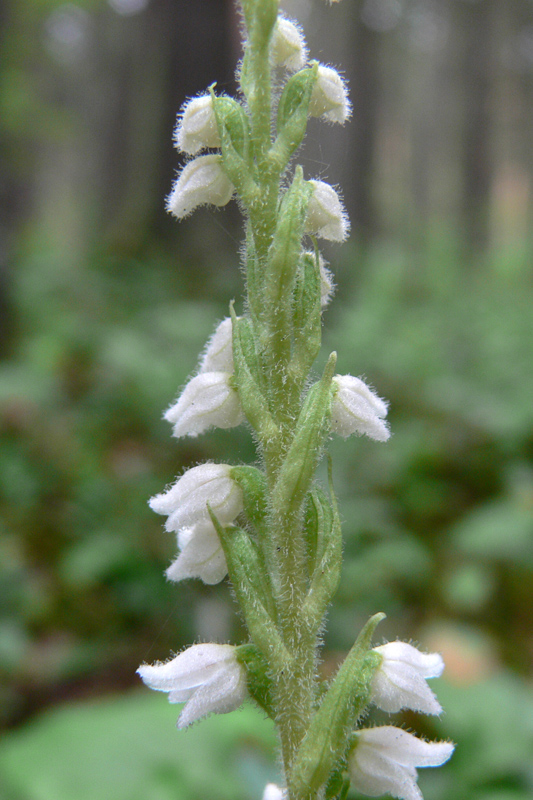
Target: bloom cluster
(272,528)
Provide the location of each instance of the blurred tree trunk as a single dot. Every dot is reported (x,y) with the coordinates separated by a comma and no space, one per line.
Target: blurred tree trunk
(475,23)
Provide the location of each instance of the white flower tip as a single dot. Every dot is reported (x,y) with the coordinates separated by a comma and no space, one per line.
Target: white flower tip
(273,792)
(202,181)
(357,409)
(400,680)
(218,356)
(326,216)
(196,127)
(288,45)
(329,98)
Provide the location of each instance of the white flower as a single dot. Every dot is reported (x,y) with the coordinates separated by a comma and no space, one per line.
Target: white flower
(288,45)
(384,761)
(357,409)
(206,677)
(201,555)
(325,213)
(400,681)
(186,501)
(327,286)
(208,400)
(273,792)
(329,98)
(201,181)
(197,126)
(219,353)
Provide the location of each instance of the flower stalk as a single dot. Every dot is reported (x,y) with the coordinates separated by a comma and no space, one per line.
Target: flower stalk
(274,530)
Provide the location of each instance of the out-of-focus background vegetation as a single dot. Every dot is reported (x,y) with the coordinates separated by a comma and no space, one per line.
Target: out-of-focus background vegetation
(106,302)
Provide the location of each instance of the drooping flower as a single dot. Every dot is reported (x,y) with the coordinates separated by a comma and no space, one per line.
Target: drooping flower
(186,501)
(201,555)
(273,792)
(326,215)
(201,181)
(196,128)
(329,98)
(288,45)
(206,677)
(208,400)
(400,680)
(218,356)
(384,761)
(357,409)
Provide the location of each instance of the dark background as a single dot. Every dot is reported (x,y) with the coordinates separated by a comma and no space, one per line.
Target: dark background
(105,303)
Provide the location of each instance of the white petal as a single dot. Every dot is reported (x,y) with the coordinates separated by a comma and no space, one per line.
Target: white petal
(208,400)
(186,501)
(219,353)
(326,215)
(223,692)
(406,749)
(197,126)
(429,665)
(201,555)
(288,45)
(273,792)
(398,687)
(201,181)
(357,409)
(329,98)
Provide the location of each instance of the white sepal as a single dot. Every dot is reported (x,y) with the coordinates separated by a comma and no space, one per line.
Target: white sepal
(208,400)
(206,677)
(329,98)
(326,215)
(186,501)
(288,45)
(327,285)
(384,761)
(201,555)
(400,681)
(357,409)
(201,181)
(273,792)
(218,356)
(196,128)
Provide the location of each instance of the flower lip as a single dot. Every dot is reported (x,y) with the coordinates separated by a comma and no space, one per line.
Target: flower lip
(384,761)
(400,680)
(206,677)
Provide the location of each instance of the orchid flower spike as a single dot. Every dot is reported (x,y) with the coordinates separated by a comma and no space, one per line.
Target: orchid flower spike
(200,182)
(208,678)
(384,761)
(400,680)
(357,409)
(186,502)
(201,555)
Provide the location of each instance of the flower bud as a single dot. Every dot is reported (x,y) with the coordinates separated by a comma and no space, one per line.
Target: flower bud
(206,677)
(201,555)
(197,126)
(201,181)
(400,681)
(329,98)
(385,758)
(186,501)
(357,409)
(207,400)
(325,213)
(288,45)
(218,356)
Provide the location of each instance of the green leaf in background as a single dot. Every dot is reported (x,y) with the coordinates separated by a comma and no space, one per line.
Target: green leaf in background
(128,749)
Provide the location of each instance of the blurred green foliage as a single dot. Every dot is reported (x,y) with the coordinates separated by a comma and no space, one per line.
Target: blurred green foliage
(438,523)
